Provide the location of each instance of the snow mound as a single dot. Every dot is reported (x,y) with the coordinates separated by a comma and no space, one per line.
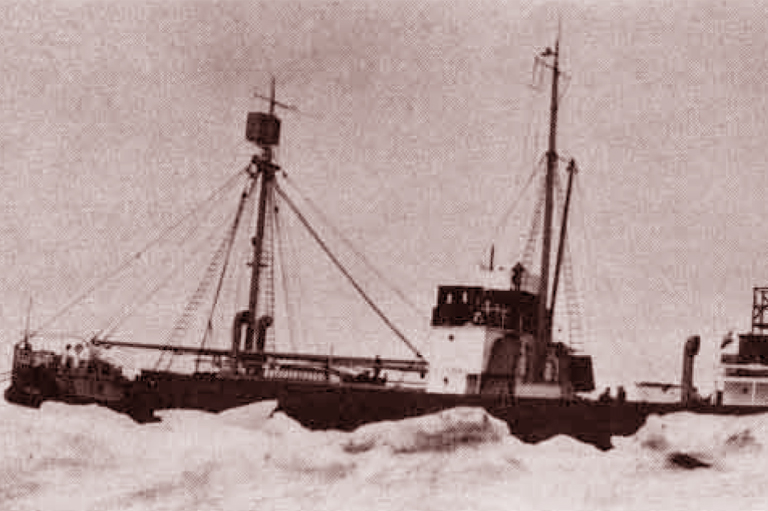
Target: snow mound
(251,417)
(565,445)
(290,447)
(688,440)
(445,430)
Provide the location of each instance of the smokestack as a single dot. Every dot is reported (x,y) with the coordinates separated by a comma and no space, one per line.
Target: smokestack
(690,351)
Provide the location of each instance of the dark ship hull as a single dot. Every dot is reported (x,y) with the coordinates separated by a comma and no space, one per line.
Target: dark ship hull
(323,406)
(531,420)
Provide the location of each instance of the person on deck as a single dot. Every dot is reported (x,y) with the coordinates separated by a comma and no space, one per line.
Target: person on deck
(68,358)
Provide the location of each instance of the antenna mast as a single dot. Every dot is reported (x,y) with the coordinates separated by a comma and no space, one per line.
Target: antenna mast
(27,334)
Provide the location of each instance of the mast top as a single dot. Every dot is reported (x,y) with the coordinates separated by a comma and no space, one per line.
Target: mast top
(263,129)
(272,101)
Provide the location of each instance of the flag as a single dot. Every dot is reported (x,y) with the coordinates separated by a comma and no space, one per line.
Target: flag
(728,339)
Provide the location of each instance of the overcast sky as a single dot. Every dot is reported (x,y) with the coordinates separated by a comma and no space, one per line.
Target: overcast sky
(421,129)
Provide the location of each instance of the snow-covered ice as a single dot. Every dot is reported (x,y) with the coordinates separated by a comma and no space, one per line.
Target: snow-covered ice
(84,457)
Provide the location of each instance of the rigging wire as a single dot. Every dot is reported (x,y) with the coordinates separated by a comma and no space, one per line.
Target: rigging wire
(230,240)
(536,224)
(566,269)
(343,270)
(293,329)
(531,243)
(243,255)
(223,253)
(292,276)
(589,255)
(136,255)
(219,260)
(516,203)
(269,287)
(106,332)
(180,185)
(195,301)
(351,246)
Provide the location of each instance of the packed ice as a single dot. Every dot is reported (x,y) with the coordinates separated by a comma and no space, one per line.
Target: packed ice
(64,457)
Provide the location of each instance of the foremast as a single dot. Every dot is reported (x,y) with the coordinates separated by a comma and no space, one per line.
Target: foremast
(263,129)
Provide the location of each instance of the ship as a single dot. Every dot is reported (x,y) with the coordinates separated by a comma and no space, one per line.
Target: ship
(492,345)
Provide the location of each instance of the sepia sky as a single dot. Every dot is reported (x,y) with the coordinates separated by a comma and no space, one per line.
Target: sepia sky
(420,129)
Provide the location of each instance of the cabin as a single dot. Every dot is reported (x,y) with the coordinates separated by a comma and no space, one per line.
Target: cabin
(482,342)
(743,378)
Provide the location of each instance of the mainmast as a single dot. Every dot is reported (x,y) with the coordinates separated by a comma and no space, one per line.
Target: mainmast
(544,331)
